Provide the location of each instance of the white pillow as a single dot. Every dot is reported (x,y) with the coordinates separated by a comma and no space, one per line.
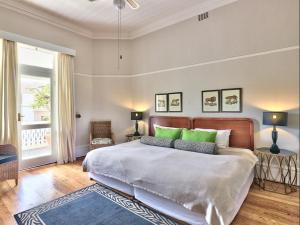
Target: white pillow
(222,138)
(156,125)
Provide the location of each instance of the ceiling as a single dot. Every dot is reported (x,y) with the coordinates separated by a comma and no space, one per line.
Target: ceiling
(99,19)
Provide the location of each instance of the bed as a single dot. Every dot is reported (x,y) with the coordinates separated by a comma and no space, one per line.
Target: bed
(156,176)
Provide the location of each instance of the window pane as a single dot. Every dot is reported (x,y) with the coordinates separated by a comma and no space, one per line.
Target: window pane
(36,100)
(32,56)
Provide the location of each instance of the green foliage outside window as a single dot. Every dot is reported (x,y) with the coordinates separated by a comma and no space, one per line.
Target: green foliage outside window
(41,97)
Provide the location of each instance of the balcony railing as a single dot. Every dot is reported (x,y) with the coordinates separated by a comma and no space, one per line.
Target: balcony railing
(36,138)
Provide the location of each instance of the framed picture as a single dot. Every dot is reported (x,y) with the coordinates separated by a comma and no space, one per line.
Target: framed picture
(211,101)
(161,103)
(231,100)
(175,102)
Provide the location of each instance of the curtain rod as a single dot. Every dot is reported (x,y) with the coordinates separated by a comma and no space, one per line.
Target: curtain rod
(36,43)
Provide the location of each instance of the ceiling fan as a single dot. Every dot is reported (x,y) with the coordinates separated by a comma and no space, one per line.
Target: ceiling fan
(120,4)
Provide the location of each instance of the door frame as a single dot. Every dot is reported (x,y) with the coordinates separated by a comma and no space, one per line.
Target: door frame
(36,71)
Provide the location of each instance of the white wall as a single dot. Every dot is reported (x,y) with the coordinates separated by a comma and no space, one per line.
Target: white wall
(96,98)
(270,81)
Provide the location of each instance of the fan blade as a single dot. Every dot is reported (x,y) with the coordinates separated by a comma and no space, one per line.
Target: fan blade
(133,4)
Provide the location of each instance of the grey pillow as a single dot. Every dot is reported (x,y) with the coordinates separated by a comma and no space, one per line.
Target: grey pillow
(161,142)
(201,147)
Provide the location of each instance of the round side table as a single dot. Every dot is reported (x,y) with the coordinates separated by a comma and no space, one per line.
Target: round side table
(280,169)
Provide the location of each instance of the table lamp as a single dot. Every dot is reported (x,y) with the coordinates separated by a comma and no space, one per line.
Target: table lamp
(275,119)
(136,116)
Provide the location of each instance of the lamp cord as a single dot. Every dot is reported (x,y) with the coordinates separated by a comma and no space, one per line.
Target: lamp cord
(119,36)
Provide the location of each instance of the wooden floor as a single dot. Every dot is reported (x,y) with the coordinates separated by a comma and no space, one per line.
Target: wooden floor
(46,183)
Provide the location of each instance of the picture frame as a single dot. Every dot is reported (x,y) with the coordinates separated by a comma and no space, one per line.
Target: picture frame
(175,102)
(161,102)
(211,101)
(231,100)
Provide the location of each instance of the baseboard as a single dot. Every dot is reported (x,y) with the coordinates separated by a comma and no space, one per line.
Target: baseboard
(81,150)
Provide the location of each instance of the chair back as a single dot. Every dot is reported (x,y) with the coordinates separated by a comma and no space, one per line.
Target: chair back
(101,129)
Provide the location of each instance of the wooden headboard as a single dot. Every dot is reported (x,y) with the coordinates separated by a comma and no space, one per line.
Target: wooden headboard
(242,133)
(169,121)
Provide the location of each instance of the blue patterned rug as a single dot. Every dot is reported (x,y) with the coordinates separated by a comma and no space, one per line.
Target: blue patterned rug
(93,205)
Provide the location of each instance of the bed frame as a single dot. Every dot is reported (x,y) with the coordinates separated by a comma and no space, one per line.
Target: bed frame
(242,131)
(241,136)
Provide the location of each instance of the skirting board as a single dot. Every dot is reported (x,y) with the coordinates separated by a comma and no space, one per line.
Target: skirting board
(81,150)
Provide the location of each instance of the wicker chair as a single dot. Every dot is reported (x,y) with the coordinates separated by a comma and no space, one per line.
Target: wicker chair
(101,130)
(8,163)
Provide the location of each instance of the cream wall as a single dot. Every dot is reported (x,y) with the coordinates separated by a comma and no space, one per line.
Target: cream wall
(96,98)
(270,81)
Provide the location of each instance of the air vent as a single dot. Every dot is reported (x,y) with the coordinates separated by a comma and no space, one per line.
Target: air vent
(203,16)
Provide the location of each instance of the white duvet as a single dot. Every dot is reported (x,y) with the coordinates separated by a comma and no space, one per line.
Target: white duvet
(206,184)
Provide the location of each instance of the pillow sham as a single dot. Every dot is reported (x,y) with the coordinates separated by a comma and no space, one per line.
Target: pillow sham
(161,142)
(222,138)
(198,136)
(200,147)
(168,133)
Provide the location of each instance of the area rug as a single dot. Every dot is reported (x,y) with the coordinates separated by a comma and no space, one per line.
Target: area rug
(93,205)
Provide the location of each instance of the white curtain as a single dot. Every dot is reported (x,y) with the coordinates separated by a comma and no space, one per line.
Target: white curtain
(8,87)
(65,109)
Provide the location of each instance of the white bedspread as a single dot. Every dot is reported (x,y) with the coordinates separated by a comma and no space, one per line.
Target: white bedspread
(206,184)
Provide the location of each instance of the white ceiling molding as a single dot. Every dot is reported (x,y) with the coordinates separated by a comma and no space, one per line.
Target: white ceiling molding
(42,15)
(36,43)
(181,16)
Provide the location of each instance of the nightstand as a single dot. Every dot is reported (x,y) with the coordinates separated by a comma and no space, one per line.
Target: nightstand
(131,137)
(280,169)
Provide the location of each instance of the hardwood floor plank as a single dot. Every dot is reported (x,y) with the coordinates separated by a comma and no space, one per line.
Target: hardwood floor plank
(42,184)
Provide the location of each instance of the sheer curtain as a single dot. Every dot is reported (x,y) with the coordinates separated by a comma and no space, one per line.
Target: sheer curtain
(65,109)
(8,88)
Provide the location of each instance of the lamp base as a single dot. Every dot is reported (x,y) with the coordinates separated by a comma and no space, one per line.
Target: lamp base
(136,134)
(274,149)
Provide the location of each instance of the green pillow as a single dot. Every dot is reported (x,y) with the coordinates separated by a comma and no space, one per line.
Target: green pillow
(198,136)
(168,133)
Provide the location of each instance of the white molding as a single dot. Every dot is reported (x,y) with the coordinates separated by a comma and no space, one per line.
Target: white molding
(25,9)
(179,17)
(43,16)
(104,75)
(274,51)
(81,150)
(36,43)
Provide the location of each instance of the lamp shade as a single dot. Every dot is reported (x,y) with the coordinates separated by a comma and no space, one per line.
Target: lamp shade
(136,115)
(275,118)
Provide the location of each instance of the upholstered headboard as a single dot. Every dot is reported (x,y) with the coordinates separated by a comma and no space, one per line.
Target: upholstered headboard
(169,121)
(242,131)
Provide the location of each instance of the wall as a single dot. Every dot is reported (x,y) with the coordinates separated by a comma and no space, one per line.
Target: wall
(97,98)
(193,56)
(112,94)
